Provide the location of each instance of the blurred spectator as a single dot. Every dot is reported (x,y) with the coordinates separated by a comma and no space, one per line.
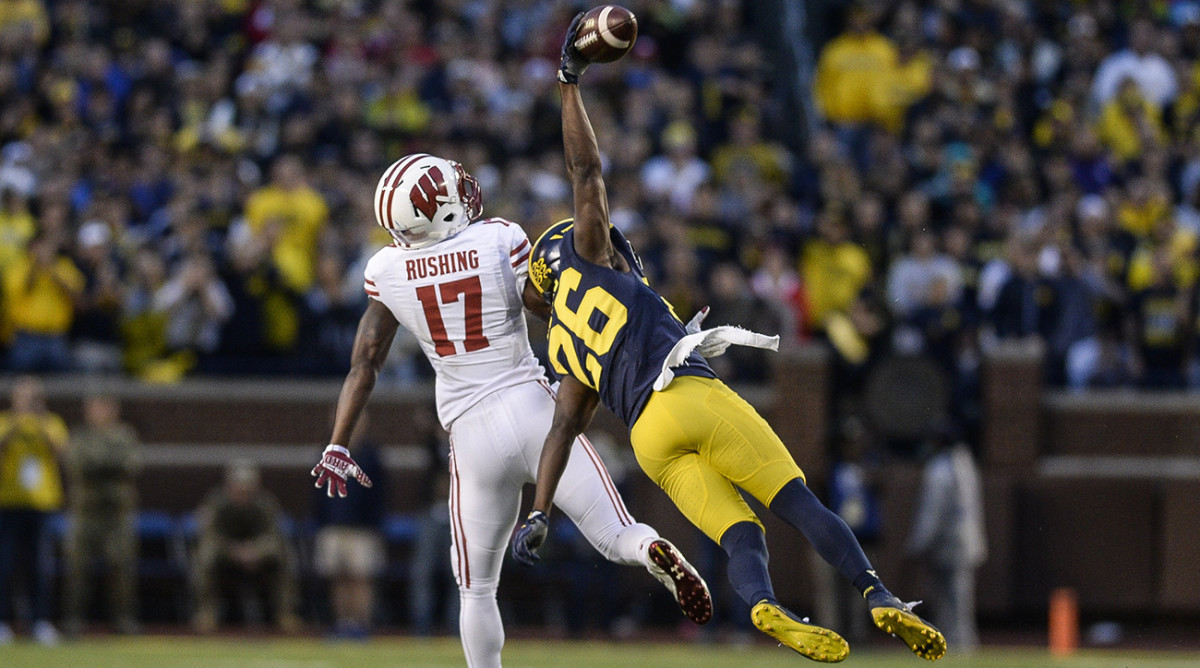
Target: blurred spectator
(31,441)
(277,249)
(24,23)
(732,302)
(95,330)
(1001,117)
(1018,309)
(349,550)
(677,172)
(196,304)
(748,157)
(143,328)
(947,535)
(1130,124)
(41,290)
(854,74)
(241,550)
(17,226)
(1157,323)
(102,464)
(778,282)
(331,311)
(834,269)
(913,277)
(1139,63)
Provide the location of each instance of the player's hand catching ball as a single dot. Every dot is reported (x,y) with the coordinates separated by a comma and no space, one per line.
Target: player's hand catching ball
(573,63)
(335,467)
(529,537)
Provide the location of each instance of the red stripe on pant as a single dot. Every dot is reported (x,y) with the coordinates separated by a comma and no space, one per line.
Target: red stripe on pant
(456,523)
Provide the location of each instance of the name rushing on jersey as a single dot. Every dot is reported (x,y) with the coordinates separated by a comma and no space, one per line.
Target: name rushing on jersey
(442,264)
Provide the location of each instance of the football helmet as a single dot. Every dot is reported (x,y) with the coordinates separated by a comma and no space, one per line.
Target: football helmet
(545,260)
(422,199)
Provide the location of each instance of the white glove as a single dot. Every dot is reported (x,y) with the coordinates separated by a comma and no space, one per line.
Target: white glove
(710,347)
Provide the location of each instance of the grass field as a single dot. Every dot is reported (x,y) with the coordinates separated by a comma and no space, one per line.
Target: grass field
(188,652)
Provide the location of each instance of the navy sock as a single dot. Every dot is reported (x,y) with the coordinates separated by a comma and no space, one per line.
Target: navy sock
(828,534)
(747,549)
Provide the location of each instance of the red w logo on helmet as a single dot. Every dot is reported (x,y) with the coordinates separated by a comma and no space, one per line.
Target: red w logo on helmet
(425,193)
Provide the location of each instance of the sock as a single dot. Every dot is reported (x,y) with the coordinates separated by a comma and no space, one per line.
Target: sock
(481,629)
(747,549)
(869,583)
(828,534)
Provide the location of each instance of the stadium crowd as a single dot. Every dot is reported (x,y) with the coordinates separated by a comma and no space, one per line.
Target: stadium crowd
(184,185)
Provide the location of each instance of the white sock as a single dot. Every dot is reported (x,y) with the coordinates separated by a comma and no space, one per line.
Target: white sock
(481,629)
(630,545)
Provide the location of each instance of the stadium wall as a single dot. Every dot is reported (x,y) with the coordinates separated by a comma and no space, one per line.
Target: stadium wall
(1081,490)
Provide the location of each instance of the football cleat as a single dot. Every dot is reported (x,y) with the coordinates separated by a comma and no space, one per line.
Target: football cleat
(813,642)
(897,618)
(669,567)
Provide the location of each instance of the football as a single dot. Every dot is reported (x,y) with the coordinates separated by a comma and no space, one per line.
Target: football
(606,33)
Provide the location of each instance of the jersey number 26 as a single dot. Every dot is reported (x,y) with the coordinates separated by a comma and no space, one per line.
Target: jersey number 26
(594,326)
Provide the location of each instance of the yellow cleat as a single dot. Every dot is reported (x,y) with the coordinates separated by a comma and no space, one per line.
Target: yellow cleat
(813,642)
(921,637)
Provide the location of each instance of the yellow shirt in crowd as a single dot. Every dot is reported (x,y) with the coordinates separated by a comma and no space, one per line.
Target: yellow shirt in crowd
(834,275)
(1120,133)
(25,15)
(301,213)
(30,478)
(855,79)
(36,302)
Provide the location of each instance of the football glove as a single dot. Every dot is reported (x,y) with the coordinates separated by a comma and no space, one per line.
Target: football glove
(335,467)
(573,63)
(708,348)
(529,537)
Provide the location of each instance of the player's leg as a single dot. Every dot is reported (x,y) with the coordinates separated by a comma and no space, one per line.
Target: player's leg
(588,495)
(707,498)
(745,449)
(485,497)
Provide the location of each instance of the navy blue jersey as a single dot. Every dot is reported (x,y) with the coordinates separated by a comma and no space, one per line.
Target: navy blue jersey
(611,331)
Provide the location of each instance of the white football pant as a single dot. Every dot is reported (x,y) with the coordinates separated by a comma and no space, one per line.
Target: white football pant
(494,450)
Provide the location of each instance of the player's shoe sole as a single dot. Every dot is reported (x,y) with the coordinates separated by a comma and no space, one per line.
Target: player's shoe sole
(921,637)
(813,642)
(689,589)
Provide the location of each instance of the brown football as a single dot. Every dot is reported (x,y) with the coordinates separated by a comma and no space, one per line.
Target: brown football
(606,33)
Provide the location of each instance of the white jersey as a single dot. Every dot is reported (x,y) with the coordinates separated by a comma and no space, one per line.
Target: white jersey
(461,298)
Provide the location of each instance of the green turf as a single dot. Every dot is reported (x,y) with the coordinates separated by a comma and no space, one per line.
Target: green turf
(187,652)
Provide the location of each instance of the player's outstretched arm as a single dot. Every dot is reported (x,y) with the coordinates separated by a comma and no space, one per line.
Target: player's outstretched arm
(573,411)
(592,241)
(574,408)
(376,330)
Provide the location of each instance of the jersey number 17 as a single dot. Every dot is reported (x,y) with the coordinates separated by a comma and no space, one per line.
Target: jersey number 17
(471,292)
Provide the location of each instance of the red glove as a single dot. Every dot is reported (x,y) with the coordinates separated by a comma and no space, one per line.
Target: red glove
(335,467)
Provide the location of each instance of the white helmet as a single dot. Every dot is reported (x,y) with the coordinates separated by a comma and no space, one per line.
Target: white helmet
(437,198)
